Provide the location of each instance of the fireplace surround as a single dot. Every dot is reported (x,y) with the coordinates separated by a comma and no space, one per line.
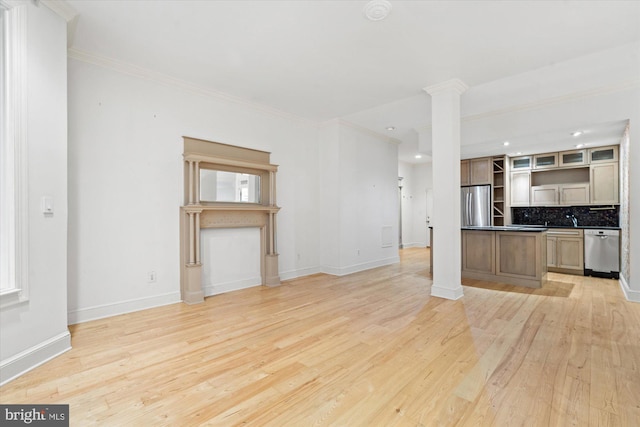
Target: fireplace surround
(196,214)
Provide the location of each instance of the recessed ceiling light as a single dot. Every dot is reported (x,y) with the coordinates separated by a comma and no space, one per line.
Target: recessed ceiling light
(579,145)
(418,156)
(505,143)
(518,153)
(390,128)
(577,133)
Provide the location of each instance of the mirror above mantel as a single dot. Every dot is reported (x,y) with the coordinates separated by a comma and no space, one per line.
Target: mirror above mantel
(226,187)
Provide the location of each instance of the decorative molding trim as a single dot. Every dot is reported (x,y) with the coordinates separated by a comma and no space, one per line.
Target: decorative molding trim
(447,293)
(153,76)
(343,271)
(453,85)
(574,96)
(66,12)
(630,294)
(15,166)
(107,310)
(33,357)
(62,9)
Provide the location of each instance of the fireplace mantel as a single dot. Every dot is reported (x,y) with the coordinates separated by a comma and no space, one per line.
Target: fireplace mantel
(196,215)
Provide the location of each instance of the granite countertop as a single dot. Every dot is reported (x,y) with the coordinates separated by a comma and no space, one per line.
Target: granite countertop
(529,228)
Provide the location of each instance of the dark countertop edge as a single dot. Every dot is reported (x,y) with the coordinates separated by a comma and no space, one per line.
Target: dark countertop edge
(583,227)
(510,228)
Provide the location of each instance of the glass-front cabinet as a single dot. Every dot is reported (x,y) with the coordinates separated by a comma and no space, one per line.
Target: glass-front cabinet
(545,161)
(521,162)
(603,154)
(573,158)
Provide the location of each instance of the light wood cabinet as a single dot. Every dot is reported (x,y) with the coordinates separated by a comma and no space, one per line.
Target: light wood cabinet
(520,188)
(464,173)
(476,171)
(572,158)
(565,250)
(560,194)
(544,195)
(603,154)
(552,259)
(545,161)
(478,252)
(480,171)
(604,183)
(514,257)
(521,163)
(574,194)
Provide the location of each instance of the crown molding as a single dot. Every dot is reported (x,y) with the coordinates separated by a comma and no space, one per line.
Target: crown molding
(153,76)
(62,8)
(575,96)
(455,85)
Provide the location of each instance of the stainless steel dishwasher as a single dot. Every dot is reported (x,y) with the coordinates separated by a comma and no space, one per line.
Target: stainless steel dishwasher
(602,253)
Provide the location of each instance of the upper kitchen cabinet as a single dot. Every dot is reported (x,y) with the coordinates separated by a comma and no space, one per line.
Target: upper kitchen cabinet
(520,188)
(604,183)
(545,161)
(603,154)
(464,172)
(572,158)
(521,162)
(476,171)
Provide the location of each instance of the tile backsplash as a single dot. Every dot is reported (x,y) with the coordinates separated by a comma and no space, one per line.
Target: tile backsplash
(594,216)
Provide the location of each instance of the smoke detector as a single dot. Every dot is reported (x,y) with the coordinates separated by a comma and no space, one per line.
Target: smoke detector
(377,10)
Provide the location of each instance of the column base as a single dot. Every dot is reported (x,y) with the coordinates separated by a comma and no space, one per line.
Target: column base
(447,293)
(272,278)
(192,284)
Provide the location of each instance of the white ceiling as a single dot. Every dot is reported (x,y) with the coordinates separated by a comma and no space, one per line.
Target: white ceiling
(323,59)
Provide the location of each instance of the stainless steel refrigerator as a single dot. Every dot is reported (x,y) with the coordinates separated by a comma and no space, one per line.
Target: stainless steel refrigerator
(475,206)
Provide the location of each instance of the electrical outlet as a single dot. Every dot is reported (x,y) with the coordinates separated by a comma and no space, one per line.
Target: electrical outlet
(151,277)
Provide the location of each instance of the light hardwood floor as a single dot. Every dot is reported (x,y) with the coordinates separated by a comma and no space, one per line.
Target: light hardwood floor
(368,349)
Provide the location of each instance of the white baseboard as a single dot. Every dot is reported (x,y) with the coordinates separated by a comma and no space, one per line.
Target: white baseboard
(447,293)
(107,310)
(293,274)
(630,294)
(220,288)
(342,271)
(33,357)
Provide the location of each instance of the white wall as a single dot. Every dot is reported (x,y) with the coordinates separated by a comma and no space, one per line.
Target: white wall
(126,172)
(36,330)
(359,178)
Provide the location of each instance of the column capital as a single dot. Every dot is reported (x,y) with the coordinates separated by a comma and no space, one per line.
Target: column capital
(455,85)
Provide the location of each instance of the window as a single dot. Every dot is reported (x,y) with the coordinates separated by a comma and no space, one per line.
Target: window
(13,151)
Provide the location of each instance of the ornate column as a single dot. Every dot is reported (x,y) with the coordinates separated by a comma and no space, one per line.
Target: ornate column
(272,277)
(445,114)
(192,285)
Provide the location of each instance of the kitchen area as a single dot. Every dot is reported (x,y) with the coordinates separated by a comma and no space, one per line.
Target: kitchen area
(523,216)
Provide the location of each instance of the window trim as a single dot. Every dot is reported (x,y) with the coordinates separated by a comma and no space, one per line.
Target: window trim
(14,227)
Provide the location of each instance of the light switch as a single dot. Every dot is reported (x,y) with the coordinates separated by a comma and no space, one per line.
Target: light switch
(47,205)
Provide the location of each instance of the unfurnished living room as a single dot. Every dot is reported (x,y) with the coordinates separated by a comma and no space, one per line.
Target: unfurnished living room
(340,213)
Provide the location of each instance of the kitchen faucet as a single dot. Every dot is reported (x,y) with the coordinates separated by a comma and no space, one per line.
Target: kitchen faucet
(573,219)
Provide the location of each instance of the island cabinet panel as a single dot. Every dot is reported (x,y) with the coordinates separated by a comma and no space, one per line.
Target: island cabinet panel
(514,257)
(517,254)
(478,250)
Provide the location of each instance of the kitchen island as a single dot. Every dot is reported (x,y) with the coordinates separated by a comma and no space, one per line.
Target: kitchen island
(512,255)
